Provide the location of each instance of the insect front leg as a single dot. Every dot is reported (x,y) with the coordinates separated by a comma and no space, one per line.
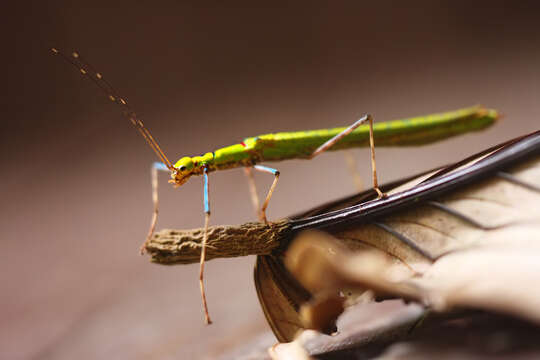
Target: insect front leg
(262,213)
(157,166)
(203,249)
(327,145)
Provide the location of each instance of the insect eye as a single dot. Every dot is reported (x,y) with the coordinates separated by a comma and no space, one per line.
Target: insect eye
(182,168)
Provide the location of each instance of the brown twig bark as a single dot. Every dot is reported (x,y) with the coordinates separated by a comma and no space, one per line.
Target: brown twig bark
(170,247)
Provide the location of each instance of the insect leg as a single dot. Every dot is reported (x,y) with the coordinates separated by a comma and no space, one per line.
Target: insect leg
(380,194)
(353,170)
(341,135)
(253,192)
(154,176)
(270,192)
(203,250)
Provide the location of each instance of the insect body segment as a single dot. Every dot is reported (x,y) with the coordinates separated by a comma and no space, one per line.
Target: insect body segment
(188,166)
(247,153)
(404,132)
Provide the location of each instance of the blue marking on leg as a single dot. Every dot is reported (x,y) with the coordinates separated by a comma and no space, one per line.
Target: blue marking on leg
(160,166)
(206,199)
(266,169)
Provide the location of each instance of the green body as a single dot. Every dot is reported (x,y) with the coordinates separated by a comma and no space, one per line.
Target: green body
(301,144)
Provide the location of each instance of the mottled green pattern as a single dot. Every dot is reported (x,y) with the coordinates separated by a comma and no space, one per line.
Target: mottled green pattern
(406,132)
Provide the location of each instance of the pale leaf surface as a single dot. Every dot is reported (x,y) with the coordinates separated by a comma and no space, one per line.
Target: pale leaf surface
(478,247)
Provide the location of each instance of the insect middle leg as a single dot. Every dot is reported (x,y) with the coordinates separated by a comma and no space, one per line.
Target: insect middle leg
(327,145)
(253,191)
(261,212)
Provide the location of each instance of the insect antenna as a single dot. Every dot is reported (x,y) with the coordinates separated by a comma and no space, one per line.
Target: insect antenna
(97,78)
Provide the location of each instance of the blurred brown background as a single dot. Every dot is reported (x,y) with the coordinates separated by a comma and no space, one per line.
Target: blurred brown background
(75,175)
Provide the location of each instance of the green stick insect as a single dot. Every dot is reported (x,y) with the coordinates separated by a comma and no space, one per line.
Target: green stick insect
(289,145)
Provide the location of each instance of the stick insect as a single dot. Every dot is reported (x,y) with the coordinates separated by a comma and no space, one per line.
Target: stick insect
(357,220)
(286,145)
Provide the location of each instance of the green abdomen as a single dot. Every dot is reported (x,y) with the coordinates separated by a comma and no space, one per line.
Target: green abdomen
(406,132)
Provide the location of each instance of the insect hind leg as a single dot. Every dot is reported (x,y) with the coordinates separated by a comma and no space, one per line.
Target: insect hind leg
(327,145)
(352,163)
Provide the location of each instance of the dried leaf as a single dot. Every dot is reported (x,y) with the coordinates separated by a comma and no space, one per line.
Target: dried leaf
(370,325)
(480,336)
(475,248)
(280,296)
(293,350)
